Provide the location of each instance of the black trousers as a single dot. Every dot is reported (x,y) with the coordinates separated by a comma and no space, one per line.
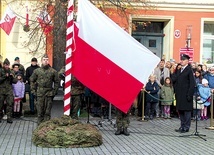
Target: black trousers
(185,118)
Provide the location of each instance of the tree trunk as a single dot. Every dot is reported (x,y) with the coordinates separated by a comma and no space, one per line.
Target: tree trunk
(59,33)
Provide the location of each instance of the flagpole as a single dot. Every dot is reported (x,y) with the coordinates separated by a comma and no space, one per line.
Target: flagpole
(68,62)
(27,16)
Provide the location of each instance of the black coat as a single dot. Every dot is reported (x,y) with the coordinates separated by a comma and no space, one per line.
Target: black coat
(29,71)
(153,89)
(184,84)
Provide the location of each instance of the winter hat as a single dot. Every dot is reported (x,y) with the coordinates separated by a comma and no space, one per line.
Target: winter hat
(19,73)
(15,64)
(33,60)
(185,57)
(16,58)
(204,81)
(6,62)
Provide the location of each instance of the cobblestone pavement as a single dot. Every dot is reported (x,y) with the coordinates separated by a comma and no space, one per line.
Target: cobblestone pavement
(152,137)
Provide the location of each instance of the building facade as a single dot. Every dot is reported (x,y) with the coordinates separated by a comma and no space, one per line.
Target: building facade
(171,27)
(167,27)
(21,43)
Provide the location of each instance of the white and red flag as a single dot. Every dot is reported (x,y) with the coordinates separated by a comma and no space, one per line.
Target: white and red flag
(107,59)
(45,21)
(8,20)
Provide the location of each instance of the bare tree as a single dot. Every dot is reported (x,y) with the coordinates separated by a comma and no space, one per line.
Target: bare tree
(123,8)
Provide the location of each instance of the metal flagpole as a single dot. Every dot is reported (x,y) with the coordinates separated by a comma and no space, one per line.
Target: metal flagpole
(68,62)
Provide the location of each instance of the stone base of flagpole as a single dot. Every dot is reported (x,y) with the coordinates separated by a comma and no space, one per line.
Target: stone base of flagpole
(142,119)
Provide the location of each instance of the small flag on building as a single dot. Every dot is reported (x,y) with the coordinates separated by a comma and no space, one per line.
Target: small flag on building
(45,22)
(8,20)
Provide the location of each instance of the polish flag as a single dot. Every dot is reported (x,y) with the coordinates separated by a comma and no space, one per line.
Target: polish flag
(45,22)
(107,59)
(7,21)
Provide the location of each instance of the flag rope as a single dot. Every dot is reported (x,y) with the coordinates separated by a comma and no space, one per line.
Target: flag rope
(68,61)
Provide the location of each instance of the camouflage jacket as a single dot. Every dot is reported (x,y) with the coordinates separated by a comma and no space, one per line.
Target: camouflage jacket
(62,74)
(22,69)
(7,81)
(44,81)
(77,87)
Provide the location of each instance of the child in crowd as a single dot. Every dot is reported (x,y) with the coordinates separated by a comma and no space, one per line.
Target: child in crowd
(18,92)
(204,70)
(152,89)
(205,92)
(198,80)
(167,96)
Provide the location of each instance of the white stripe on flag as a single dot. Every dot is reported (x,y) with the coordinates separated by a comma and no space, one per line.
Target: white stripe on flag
(114,43)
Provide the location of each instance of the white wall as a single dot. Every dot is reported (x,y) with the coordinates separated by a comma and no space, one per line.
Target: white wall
(19,43)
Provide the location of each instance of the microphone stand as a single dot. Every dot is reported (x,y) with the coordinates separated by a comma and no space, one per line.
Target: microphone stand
(196,133)
(88,105)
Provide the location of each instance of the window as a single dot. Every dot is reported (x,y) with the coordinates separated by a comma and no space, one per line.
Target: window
(147,26)
(208,43)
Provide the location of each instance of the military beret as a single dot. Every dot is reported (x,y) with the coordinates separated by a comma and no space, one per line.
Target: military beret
(6,62)
(16,58)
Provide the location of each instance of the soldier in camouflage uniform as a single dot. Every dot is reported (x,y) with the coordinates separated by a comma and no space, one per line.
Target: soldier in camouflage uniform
(7,78)
(77,90)
(61,75)
(122,122)
(44,84)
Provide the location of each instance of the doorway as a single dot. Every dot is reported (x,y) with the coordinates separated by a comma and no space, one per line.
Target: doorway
(150,34)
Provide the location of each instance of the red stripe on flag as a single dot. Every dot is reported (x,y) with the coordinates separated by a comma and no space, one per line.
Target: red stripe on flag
(103,76)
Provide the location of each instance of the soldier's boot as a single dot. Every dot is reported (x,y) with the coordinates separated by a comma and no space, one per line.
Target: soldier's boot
(133,111)
(119,131)
(126,132)
(105,112)
(9,120)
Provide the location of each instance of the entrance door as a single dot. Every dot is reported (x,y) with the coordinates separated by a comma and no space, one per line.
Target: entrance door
(153,43)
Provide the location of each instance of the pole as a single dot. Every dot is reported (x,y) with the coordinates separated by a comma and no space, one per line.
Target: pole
(211,108)
(27,16)
(211,127)
(68,62)
(143,104)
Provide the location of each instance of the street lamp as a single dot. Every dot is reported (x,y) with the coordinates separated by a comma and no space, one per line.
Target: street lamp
(188,35)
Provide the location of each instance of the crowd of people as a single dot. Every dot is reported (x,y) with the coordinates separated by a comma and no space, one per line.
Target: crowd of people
(183,88)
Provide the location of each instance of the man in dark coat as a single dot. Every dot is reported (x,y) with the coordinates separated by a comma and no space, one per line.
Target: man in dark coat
(184,90)
(29,72)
